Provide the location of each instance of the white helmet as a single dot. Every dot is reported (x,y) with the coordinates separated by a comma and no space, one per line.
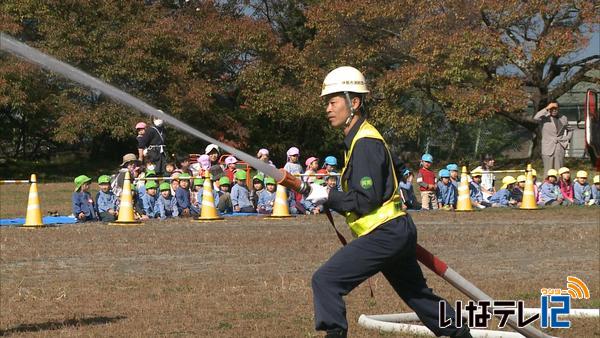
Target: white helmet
(344,79)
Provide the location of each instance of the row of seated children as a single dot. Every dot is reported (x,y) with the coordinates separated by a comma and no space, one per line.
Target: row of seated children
(443,192)
(553,191)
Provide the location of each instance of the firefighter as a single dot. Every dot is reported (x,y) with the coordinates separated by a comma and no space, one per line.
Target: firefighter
(385,236)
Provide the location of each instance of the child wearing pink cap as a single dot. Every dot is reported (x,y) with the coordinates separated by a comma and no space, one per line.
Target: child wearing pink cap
(312,165)
(201,166)
(230,167)
(292,166)
(140,127)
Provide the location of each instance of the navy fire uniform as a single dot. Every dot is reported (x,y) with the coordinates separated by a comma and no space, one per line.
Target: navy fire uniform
(153,141)
(386,239)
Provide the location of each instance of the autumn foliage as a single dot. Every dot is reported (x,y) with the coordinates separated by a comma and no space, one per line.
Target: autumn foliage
(249,72)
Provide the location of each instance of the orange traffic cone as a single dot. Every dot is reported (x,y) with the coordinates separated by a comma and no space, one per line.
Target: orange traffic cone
(208,211)
(528,202)
(33,218)
(281,208)
(464,195)
(126,216)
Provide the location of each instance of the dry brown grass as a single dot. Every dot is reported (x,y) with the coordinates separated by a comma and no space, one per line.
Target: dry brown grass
(249,277)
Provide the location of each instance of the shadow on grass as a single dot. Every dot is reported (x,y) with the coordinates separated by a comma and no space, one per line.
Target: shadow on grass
(60,325)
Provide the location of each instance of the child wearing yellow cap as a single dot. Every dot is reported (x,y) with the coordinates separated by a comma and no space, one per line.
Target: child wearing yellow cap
(595,191)
(519,189)
(566,185)
(550,193)
(504,197)
(582,191)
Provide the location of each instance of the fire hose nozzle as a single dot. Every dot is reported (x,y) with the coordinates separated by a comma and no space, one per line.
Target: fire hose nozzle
(294,183)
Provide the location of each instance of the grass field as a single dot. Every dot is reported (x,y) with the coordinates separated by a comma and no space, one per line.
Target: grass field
(250,277)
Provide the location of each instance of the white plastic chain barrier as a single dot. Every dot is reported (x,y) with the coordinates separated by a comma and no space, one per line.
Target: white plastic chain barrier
(398,323)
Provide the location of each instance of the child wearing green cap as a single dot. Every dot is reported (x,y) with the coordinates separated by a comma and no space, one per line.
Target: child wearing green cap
(106,201)
(167,204)
(240,195)
(183,196)
(224,205)
(149,201)
(82,202)
(267,198)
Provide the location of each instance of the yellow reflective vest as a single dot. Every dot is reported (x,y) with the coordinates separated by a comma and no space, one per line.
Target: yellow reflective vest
(390,209)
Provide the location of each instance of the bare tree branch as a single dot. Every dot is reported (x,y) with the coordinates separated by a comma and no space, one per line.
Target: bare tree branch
(594,58)
(564,87)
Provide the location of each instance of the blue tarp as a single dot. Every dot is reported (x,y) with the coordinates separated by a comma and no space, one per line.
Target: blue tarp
(46,220)
(242,214)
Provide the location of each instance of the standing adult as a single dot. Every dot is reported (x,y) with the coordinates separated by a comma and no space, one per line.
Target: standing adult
(386,236)
(213,152)
(155,148)
(556,135)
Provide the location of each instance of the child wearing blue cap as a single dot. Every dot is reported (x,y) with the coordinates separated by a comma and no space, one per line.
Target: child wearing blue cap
(454,179)
(426,182)
(330,164)
(446,192)
(408,193)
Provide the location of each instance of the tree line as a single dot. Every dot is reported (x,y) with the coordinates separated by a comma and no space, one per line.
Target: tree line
(248,72)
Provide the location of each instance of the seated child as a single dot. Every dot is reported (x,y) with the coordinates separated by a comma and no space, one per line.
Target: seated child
(174,183)
(183,164)
(330,164)
(566,186)
(149,201)
(199,193)
(169,168)
(503,197)
(331,182)
(408,193)
(596,191)
(312,165)
(550,193)
(292,166)
(183,196)
(475,190)
(446,191)
(230,162)
(138,206)
(106,201)
(257,189)
(311,208)
(167,204)
(453,169)
(240,196)
(267,198)
(536,185)
(82,202)
(582,192)
(224,205)
(519,189)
